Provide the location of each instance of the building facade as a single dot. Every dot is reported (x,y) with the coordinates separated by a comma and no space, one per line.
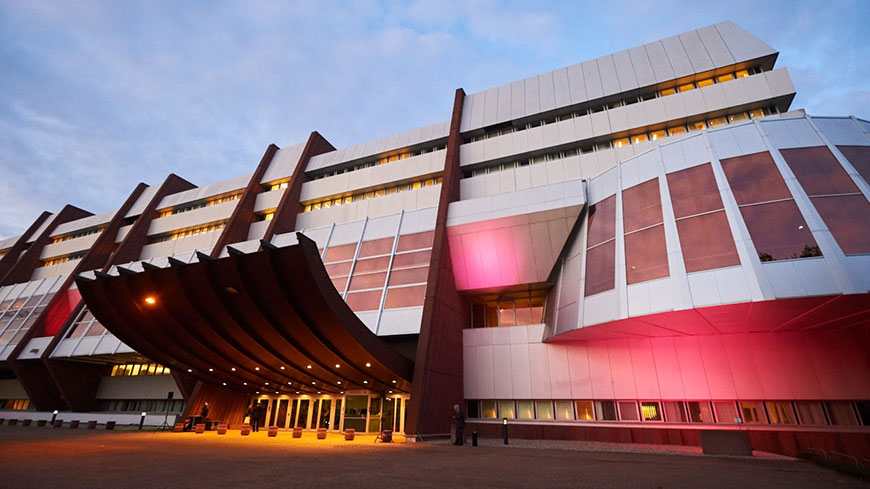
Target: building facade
(633,248)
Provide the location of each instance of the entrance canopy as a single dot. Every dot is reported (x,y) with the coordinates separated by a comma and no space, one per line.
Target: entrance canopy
(266,322)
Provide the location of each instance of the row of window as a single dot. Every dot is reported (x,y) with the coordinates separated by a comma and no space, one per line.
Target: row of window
(150,406)
(842,413)
(189,232)
(135,369)
(378,161)
(620,142)
(63,259)
(15,404)
(685,87)
(199,205)
(77,234)
(371,194)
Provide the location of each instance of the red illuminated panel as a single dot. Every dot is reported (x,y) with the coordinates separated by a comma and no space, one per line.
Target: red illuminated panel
(339,253)
(376,247)
(641,206)
(409,276)
(694,191)
(59,310)
(755,178)
(778,231)
(602,222)
(818,172)
(412,259)
(372,265)
(416,241)
(364,301)
(706,242)
(368,281)
(848,219)
(600,268)
(405,296)
(859,157)
(646,255)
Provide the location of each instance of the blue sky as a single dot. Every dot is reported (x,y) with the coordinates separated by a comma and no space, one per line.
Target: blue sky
(98,96)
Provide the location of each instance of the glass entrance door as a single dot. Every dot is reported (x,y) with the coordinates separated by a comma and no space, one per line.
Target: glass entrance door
(302,420)
(356,412)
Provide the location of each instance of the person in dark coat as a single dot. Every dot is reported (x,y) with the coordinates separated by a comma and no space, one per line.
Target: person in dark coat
(255,417)
(459,419)
(204,412)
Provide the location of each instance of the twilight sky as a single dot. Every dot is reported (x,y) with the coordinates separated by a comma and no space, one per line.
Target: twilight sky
(98,96)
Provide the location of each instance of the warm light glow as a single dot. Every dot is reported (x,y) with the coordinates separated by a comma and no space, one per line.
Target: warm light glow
(224,383)
(289,383)
(368,364)
(233,369)
(394,381)
(189,370)
(337,366)
(365,382)
(244,383)
(339,382)
(266,383)
(150,301)
(211,370)
(282,367)
(314,383)
(256,368)
(309,366)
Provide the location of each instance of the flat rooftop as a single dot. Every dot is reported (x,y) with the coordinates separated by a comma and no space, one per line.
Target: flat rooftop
(48,457)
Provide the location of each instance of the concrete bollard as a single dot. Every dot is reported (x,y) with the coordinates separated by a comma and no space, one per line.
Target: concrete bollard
(273,431)
(110,425)
(222,429)
(178,428)
(246,429)
(74,423)
(200,428)
(321,433)
(349,434)
(297,432)
(92,424)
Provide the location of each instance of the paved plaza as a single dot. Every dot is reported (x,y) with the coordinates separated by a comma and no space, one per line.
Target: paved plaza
(34,457)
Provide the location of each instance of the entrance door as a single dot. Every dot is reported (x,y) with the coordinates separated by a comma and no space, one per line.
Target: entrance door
(281,418)
(302,420)
(355,412)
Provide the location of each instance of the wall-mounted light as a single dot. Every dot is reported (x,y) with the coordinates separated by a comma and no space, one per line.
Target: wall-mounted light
(233,369)
(337,366)
(150,301)
(282,367)
(368,364)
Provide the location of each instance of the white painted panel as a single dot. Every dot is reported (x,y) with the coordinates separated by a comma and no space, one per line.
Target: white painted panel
(490,107)
(518,100)
(609,78)
(504,103)
(577,84)
(625,71)
(742,45)
(840,131)
(592,80)
(677,57)
(784,279)
(697,54)
(715,46)
(548,97)
(816,277)
(642,67)
(562,91)
(533,96)
(655,51)
(703,287)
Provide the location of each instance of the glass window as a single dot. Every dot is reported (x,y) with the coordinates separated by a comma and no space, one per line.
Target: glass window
(717,121)
(818,172)
(667,91)
(564,410)
(628,411)
(675,411)
(639,138)
(487,409)
(618,143)
(686,87)
(756,113)
(863,412)
(779,232)
(673,131)
(585,410)
(726,411)
(859,157)
(753,412)
(656,135)
(605,410)
(705,82)
(706,242)
(694,191)
(700,411)
(848,219)
(698,126)
(841,413)
(811,412)
(646,255)
(544,410)
(754,178)
(780,412)
(651,411)
(506,409)
(724,78)
(525,410)
(600,268)
(742,73)
(641,206)
(472,408)
(740,116)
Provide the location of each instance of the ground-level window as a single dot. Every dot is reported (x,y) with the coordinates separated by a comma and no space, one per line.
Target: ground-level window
(726,411)
(781,412)
(585,410)
(628,411)
(753,412)
(651,411)
(605,410)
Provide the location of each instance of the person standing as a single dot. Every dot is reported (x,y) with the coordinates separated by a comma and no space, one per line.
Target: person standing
(459,419)
(255,417)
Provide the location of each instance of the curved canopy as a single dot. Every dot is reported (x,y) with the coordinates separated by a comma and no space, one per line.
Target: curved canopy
(267,321)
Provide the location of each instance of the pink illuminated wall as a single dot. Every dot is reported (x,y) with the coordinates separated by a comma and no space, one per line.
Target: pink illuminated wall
(510,250)
(510,363)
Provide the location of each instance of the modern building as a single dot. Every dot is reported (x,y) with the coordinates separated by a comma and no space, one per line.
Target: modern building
(636,248)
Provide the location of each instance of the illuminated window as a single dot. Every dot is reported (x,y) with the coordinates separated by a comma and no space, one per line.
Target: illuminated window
(724,78)
(742,73)
(698,126)
(667,91)
(740,116)
(753,412)
(585,410)
(717,121)
(268,216)
(564,410)
(487,409)
(651,411)
(699,411)
(618,143)
(544,410)
(705,83)
(686,87)
(525,410)
(638,139)
(780,412)
(656,135)
(506,409)
(673,131)
(756,113)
